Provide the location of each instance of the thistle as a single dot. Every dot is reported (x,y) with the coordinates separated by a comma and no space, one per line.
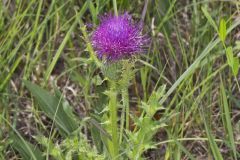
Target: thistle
(117,37)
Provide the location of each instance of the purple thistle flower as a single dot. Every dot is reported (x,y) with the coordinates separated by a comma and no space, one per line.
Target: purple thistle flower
(118,37)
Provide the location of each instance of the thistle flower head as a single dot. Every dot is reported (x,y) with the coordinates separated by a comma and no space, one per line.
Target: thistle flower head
(118,37)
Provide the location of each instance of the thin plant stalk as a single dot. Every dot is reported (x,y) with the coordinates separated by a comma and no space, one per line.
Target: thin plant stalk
(122,124)
(115,7)
(144,11)
(113,119)
(125,98)
(125,116)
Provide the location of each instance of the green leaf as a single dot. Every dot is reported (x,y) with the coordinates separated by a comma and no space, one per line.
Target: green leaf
(209,18)
(54,150)
(222,30)
(235,66)
(232,61)
(52,106)
(237,45)
(152,106)
(25,149)
(229,53)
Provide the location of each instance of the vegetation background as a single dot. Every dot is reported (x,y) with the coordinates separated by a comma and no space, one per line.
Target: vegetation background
(190,75)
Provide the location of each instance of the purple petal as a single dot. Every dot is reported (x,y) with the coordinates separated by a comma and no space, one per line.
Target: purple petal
(118,37)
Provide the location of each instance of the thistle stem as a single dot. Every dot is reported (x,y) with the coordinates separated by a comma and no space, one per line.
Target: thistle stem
(115,7)
(125,98)
(125,113)
(113,119)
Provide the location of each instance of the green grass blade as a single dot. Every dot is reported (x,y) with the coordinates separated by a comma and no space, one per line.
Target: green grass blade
(195,64)
(227,118)
(209,18)
(9,75)
(27,150)
(65,40)
(181,147)
(93,11)
(213,145)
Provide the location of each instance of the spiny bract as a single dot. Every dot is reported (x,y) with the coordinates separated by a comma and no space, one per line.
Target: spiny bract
(118,37)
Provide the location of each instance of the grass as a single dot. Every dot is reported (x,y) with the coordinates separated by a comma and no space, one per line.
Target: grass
(178,101)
